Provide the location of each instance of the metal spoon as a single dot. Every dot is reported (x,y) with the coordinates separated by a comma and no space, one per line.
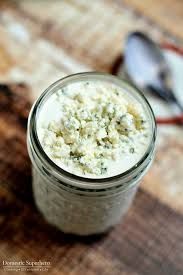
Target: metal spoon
(147,67)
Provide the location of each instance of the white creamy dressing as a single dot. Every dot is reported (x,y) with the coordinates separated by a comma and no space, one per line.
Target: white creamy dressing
(93,129)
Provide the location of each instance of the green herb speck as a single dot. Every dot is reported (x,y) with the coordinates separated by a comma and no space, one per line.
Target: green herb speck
(103,170)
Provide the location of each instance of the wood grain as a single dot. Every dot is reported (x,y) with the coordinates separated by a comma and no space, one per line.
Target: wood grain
(76,32)
(40,51)
(150,240)
(40,43)
(167,14)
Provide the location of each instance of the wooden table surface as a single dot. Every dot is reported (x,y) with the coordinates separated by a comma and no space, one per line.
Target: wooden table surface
(41,41)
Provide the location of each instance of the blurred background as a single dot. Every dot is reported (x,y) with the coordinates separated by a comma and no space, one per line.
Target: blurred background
(42,41)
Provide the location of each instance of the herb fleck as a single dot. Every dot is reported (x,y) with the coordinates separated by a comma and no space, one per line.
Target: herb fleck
(132,150)
(103,170)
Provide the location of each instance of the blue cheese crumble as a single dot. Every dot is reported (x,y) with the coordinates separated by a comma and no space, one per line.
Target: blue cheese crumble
(98,129)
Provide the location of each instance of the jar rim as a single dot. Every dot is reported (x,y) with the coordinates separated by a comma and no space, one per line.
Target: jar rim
(37,147)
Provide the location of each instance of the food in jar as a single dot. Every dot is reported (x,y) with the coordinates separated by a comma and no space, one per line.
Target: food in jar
(93,129)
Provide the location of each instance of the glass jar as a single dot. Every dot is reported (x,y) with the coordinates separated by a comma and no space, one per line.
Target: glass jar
(77,204)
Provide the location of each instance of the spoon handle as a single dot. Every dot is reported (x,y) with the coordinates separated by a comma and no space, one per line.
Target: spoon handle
(179,105)
(167,94)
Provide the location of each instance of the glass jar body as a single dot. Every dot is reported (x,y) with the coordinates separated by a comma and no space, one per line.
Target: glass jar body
(76,204)
(83,211)
(80,214)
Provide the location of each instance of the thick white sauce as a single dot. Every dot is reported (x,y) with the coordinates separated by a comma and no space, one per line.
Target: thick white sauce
(93,129)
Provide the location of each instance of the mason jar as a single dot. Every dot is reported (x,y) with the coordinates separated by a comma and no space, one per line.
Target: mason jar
(76,204)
